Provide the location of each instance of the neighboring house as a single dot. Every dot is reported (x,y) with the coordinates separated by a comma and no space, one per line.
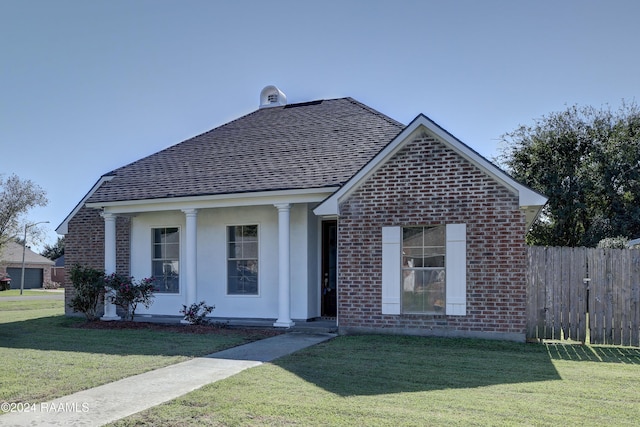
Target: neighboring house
(37,267)
(318,209)
(58,271)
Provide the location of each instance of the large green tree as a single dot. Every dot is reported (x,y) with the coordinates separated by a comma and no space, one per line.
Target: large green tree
(587,162)
(54,251)
(17,197)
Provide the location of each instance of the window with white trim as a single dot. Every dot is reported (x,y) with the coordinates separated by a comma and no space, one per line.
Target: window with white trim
(242,260)
(424,270)
(165,262)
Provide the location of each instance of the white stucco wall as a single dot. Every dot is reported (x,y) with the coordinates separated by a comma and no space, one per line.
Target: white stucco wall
(211,261)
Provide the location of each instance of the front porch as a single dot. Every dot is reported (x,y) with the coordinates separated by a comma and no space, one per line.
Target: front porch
(279,266)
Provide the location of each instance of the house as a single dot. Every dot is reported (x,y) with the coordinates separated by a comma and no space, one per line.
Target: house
(322,209)
(58,271)
(37,267)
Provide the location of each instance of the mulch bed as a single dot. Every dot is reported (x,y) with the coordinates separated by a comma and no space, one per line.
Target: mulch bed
(182,328)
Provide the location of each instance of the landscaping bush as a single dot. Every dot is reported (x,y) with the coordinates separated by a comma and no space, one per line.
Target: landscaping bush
(50,284)
(613,243)
(89,290)
(129,293)
(196,313)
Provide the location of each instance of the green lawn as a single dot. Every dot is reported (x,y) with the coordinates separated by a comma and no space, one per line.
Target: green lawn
(351,380)
(28,292)
(44,356)
(385,380)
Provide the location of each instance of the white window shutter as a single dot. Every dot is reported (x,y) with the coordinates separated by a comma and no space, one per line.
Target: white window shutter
(456,269)
(391,269)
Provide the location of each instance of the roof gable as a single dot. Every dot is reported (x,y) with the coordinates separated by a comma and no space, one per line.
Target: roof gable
(529,200)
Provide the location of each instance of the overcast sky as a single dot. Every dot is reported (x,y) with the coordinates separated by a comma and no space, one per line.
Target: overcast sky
(89,86)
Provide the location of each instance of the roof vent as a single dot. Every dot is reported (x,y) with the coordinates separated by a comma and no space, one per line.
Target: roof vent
(271,96)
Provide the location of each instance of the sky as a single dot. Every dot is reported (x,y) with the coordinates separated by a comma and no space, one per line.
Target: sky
(89,86)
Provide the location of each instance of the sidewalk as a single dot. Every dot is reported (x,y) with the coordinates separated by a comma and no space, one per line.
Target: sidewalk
(113,401)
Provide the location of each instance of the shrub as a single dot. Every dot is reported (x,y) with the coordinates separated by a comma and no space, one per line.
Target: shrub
(196,313)
(50,284)
(128,293)
(613,243)
(89,290)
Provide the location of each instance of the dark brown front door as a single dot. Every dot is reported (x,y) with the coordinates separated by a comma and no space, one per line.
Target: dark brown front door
(328,290)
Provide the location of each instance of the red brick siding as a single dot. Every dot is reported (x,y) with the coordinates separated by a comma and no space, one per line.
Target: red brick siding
(84,245)
(58,275)
(427,183)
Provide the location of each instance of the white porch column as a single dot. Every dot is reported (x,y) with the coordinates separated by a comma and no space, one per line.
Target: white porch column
(191,267)
(284,272)
(109,262)
(191,249)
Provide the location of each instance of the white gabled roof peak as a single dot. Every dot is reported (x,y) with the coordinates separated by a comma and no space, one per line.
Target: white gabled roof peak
(529,199)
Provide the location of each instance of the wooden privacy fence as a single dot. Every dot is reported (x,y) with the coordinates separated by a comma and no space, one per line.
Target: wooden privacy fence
(582,293)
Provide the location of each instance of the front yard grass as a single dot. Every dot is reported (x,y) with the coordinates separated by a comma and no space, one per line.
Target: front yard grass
(44,355)
(28,293)
(391,380)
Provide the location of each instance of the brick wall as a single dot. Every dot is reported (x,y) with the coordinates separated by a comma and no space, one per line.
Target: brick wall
(427,183)
(84,245)
(58,275)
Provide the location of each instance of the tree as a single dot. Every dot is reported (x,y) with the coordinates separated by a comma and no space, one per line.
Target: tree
(587,162)
(17,197)
(54,251)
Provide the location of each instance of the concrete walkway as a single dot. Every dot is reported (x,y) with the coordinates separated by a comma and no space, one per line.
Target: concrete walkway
(113,401)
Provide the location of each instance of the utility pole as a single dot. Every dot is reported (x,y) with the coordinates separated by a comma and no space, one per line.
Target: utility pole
(24,249)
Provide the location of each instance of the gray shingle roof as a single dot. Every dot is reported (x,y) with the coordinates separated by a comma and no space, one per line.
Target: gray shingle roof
(12,253)
(299,146)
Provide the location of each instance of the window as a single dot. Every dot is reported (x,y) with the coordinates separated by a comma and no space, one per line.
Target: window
(165,264)
(242,260)
(423,270)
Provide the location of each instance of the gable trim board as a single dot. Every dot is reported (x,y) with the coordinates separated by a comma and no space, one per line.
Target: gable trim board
(531,202)
(63,228)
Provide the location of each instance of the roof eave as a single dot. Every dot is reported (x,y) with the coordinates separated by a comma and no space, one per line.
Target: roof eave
(312,195)
(63,228)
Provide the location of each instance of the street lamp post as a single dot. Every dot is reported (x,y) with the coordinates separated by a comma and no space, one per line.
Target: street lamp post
(24,249)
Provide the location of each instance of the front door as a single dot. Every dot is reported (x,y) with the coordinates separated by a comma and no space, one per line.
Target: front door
(328,289)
